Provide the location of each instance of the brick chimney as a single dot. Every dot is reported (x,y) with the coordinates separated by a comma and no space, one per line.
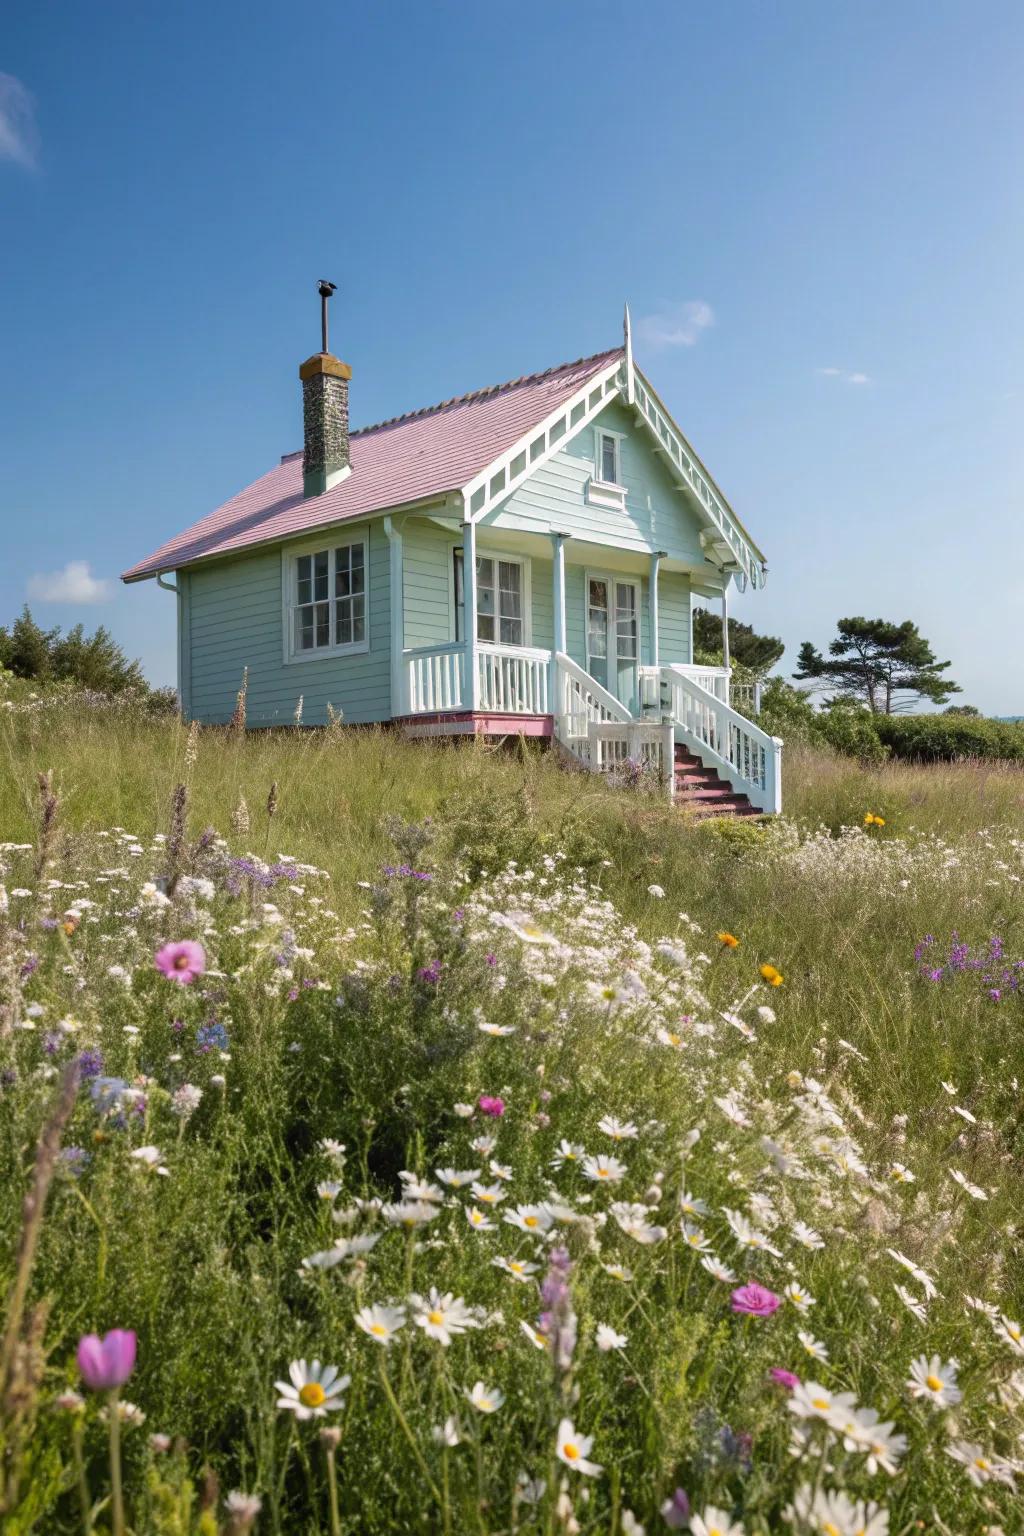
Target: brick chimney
(325,456)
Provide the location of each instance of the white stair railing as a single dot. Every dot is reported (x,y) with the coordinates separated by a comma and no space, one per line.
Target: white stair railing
(723,739)
(579,702)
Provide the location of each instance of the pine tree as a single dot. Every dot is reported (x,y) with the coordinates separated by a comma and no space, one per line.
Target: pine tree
(875,662)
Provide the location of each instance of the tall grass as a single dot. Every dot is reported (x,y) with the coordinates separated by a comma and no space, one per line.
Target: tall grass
(205,1264)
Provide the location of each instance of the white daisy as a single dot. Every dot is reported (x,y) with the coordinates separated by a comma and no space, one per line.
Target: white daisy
(573,1449)
(442,1317)
(381,1323)
(607,1339)
(714,1522)
(618,1130)
(519,1269)
(485,1399)
(313,1390)
(604,1170)
(934,1380)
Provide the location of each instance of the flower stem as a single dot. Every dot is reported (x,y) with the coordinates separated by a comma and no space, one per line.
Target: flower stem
(116,1493)
(85,1503)
(332,1485)
(407,1432)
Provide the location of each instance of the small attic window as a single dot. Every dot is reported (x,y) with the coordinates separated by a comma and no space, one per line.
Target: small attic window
(607,457)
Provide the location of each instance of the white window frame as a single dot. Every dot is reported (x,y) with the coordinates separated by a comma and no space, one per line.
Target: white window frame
(601,492)
(485,552)
(325,543)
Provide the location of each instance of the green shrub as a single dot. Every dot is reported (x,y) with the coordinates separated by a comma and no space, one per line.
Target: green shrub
(948,738)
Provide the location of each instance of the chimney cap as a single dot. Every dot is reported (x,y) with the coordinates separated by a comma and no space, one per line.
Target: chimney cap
(325,289)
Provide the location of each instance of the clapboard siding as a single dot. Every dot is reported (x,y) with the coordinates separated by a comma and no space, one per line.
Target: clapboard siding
(657,515)
(236,620)
(231,613)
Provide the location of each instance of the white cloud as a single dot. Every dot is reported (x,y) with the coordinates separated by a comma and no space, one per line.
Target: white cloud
(678,325)
(847,376)
(74,584)
(19,140)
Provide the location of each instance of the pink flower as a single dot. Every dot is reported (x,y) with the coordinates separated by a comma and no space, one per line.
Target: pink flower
(784,1378)
(755,1300)
(108,1362)
(181,962)
(676,1510)
(490,1106)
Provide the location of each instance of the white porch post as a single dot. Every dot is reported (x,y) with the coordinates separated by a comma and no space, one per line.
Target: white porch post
(471,689)
(725,623)
(656,559)
(400,703)
(558,586)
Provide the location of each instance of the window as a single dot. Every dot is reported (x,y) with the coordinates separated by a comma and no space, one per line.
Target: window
(328,599)
(500,600)
(607,466)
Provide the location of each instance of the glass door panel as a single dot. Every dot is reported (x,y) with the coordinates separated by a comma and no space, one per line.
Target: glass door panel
(627,644)
(597,629)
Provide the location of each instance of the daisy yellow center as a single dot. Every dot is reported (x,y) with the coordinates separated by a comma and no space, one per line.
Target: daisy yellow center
(487,1199)
(713,1530)
(437,1318)
(982,1463)
(831,1530)
(602,1173)
(934,1383)
(570,1451)
(1014,1334)
(312,1395)
(516,1268)
(485,1402)
(529,1221)
(821,1403)
(675,1039)
(378,1330)
(608,993)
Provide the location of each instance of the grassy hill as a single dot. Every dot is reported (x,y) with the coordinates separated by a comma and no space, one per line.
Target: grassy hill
(479,961)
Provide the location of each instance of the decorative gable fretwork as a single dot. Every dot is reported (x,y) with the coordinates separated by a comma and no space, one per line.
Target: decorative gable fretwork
(728,543)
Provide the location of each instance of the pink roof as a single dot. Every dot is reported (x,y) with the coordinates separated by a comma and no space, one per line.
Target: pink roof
(408,459)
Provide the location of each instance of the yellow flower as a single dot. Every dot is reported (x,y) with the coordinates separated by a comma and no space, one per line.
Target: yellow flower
(771,975)
(727,940)
(871,820)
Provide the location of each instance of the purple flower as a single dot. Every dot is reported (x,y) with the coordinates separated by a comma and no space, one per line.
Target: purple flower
(784,1378)
(52,1042)
(106,1363)
(211,1036)
(181,962)
(755,1300)
(491,1106)
(430,973)
(75,1159)
(676,1511)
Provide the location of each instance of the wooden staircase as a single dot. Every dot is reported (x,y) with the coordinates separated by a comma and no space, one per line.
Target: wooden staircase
(701,792)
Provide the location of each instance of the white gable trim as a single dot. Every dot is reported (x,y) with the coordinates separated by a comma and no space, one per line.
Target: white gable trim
(729,543)
(507,472)
(726,541)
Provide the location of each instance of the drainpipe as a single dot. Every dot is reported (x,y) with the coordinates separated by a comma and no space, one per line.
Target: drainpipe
(396,569)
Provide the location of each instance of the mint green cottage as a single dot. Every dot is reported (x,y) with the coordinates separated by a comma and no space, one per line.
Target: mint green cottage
(521,560)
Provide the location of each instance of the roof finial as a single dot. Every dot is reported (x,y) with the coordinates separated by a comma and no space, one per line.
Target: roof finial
(627,337)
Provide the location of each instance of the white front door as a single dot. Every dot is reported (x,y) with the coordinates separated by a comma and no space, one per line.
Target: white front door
(613,637)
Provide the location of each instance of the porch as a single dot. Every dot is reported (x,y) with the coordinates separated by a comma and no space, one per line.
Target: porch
(617,687)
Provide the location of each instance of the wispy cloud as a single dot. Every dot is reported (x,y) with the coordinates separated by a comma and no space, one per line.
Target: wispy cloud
(19,140)
(74,584)
(677,325)
(845,375)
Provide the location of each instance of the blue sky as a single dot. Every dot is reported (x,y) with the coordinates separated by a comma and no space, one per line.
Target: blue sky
(834,190)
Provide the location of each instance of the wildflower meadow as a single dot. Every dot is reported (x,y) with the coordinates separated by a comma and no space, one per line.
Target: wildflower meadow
(406,1138)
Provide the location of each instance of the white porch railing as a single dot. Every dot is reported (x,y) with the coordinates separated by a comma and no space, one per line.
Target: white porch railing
(511,679)
(434,679)
(746,756)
